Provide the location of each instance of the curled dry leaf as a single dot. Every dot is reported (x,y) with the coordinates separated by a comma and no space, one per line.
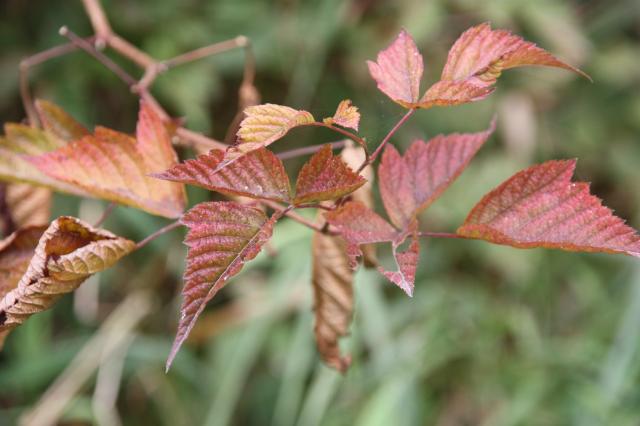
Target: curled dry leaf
(116,167)
(332,280)
(541,207)
(67,253)
(258,174)
(222,236)
(398,70)
(410,183)
(325,177)
(477,59)
(346,115)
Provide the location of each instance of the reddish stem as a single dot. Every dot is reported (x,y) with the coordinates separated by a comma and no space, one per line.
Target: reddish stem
(159,232)
(386,139)
(285,155)
(439,235)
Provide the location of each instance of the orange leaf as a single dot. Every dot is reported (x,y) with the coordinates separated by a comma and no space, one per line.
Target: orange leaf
(398,70)
(346,115)
(114,166)
(259,174)
(541,207)
(325,177)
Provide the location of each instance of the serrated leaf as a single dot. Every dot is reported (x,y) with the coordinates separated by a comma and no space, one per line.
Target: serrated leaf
(325,177)
(222,236)
(477,59)
(354,156)
(410,183)
(67,253)
(258,174)
(55,120)
(359,225)
(116,167)
(398,70)
(332,280)
(407,263)
(346,115)
(265,124)
(27,204)
(541,207)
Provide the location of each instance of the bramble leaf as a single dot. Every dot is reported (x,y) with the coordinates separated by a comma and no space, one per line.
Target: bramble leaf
(358,225)
(265,124)
(27,204)
(115,166)
(222,236)
(332,280)
(398,70)
(55,120)
(325,177)
(477,59)
(410,183)
(67,253)
(346,115)
(541,207)
(407,263)
(258,174)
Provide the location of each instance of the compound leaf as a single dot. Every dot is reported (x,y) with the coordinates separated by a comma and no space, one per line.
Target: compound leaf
(398,70)
(222,236)
(66,254)
(258,174)
(115,166)
(346,115)
(325,177)
(332,280)
(541,207)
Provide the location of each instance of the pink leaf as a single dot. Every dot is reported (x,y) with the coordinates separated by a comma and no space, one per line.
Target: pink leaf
(222,237)
(398,70)
(258,174)
(407,263)
(541,207)
(325,177)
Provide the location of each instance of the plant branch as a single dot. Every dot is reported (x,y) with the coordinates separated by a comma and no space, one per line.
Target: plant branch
(357,139)
(386,139)
(295,216)
(159,232)
(439,235)
(105,214)
(299,152)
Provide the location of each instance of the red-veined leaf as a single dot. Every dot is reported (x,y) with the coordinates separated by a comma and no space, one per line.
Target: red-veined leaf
(325,177)
(346,115)
(358,225)
(55,120)
(398,70)
(258,174)
(541,207)
(477,59)
(67,253)
(222,236)
(410,183)
(332,280)
(407,263)
(114,166)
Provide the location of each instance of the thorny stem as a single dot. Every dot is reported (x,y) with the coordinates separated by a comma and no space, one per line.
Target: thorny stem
(293,153)
(105,214)
(386,139)
(159,232)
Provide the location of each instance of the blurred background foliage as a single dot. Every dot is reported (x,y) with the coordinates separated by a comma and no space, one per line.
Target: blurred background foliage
(493,336)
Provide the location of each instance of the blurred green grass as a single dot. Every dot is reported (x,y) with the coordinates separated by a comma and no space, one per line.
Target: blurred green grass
(493,336)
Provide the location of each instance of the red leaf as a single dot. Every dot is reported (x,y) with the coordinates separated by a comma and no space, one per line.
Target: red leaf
(222,237)
(358,225)
(258,174)
(541,207)
(477,59)
(407,263)
(116,167)
(398,70)
(325,177)
(411,183)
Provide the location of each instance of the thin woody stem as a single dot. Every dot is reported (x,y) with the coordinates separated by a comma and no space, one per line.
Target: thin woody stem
(159,232)
(440,235)
(295,216)
(299,152)
(357,139)
(105,214)
(386,139)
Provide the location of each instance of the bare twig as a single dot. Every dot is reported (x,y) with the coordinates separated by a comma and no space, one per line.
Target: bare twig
(392,132)
(299,152)
(439,235)
(159,232)
(357,139)
(298,218)
(105,214)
